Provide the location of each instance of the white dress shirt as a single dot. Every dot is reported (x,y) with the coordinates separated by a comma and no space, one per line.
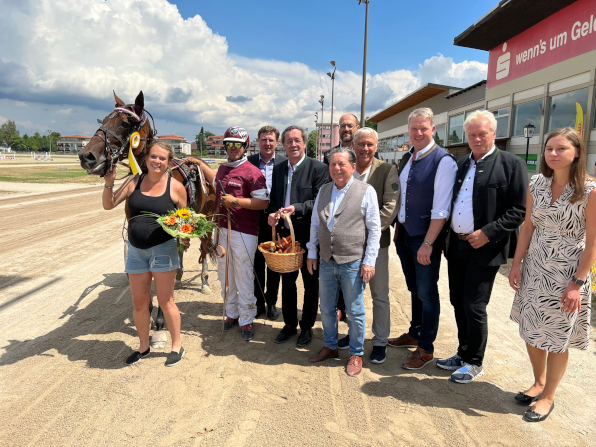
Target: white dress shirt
(462,219)
(370,211)
(444,179)
(364,176)
(291,169)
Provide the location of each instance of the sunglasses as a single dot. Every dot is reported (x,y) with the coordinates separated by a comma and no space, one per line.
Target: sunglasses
(232,144)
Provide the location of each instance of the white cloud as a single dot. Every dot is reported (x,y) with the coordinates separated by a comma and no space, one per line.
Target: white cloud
(3,120)
(63,54)
(20,104)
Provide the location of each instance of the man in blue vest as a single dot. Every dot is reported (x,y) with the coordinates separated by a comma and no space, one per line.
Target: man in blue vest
(426,174)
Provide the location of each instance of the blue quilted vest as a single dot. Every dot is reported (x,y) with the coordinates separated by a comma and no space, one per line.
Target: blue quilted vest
(421,191)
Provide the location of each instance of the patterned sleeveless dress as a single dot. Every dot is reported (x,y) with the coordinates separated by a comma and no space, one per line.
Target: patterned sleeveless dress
(553,256)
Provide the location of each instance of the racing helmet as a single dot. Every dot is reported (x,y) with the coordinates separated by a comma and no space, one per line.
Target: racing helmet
(238,134)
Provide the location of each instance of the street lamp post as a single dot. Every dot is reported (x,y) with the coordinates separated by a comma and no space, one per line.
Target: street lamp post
(317,129)
(332,76)
(321,101)
(528,133)
(50,137)
(362,119)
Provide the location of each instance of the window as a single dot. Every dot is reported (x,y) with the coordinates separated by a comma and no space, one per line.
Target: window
(567,109)
(394,143)
(528,113)
(456,129)
(400,142)
(502,117)
(439,135)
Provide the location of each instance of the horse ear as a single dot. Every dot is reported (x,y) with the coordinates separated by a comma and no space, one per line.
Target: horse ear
(119,102)
(139,103)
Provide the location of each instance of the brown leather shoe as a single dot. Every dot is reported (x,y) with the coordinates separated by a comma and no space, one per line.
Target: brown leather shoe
(403,341)
(324,354)
(354,365)
(417,359)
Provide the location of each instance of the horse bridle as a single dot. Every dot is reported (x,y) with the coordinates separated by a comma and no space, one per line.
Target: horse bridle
(137,122)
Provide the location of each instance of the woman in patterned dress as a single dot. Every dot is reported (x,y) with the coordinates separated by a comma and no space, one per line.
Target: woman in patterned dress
(558,245)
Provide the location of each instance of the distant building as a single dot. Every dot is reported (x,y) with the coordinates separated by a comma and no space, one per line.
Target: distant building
(72,143)
(179,144)
(324,131)
(214,145)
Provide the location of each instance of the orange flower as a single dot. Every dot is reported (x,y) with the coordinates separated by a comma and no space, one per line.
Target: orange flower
(170,220)
(186,229)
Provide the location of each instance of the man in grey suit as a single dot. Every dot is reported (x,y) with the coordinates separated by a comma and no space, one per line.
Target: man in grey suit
(265,160)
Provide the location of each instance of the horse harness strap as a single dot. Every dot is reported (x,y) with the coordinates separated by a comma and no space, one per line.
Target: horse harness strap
(189,176)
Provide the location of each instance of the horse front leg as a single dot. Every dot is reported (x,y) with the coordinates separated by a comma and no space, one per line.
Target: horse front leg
(159,339)
(179,272)
(205,288)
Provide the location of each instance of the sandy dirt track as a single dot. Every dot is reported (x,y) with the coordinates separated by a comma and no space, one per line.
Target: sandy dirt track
(65,314)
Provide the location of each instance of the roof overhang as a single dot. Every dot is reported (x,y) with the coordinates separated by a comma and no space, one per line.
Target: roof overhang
(413,99)
(506,20)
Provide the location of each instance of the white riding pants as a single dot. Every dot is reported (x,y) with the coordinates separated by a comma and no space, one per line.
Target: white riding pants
(242,303)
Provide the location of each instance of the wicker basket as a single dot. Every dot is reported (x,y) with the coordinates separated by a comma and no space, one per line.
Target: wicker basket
(284,262)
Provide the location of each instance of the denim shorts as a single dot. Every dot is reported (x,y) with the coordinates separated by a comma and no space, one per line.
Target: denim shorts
(158,259)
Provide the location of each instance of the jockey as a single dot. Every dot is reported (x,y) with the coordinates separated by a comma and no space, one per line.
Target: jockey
(244,194)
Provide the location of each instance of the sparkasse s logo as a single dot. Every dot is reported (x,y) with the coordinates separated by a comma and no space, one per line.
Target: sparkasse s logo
(503,63)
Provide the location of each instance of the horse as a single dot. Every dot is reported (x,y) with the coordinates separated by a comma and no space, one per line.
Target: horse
(110,145)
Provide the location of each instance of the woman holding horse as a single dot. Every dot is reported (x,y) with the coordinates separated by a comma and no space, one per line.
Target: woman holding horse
(152,253)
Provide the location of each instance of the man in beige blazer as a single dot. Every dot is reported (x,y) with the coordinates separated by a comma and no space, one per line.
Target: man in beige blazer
(383,178)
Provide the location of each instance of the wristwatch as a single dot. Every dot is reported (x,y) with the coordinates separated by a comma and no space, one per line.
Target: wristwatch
(579,282)
(235,202)
(428,243)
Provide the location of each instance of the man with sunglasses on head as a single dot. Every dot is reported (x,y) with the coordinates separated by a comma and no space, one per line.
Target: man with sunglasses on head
(244,194)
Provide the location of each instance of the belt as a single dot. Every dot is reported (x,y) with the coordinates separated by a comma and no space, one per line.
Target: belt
(462,237)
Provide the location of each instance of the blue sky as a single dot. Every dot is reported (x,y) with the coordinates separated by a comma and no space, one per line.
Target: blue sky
(318,31)
(221,63)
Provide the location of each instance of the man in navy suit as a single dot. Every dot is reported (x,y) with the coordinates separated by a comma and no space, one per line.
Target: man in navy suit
(265,160)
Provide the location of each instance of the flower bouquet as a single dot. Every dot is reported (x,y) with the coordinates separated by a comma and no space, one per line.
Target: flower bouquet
(185,223)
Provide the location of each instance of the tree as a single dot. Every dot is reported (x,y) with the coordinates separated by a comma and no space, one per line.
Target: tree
(201,137)
(370,124)
(7,131)
(311,144)
(16,143)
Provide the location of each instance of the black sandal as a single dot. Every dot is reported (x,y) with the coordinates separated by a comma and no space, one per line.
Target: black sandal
(136,356)
(524,399)
(532,416)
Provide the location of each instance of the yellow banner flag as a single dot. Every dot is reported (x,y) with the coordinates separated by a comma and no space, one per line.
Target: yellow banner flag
(135,139)
(579,119)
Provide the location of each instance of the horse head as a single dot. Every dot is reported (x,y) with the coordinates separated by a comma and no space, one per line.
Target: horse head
(111,141)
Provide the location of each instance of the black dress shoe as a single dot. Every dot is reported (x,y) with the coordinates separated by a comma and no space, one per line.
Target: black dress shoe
(284,335)
(532,416)
(524,399)
(260,310)
(305,338)
(272,312)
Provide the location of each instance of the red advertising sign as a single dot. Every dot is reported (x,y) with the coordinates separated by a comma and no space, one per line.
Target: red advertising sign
(566,34)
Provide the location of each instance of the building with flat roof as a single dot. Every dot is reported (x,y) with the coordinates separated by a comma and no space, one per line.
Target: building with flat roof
(450,106)
(324,133)
(541,70)
(72,143)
